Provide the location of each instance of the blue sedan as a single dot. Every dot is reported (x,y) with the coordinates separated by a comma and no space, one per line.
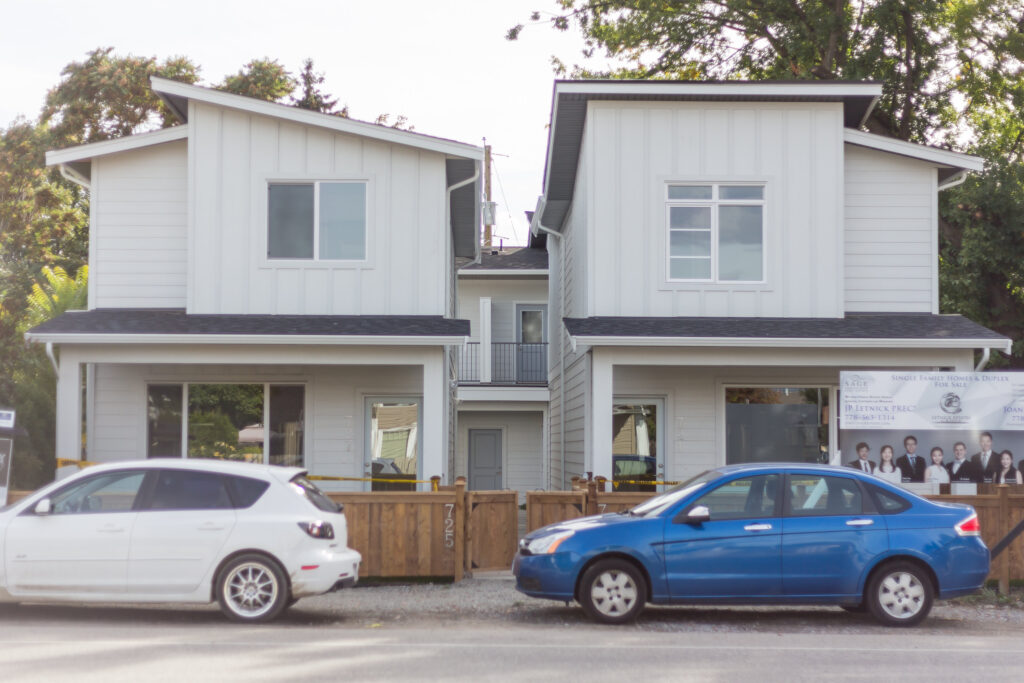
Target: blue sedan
(763,534)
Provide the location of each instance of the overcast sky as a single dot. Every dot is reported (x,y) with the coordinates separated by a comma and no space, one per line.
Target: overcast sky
(444,64)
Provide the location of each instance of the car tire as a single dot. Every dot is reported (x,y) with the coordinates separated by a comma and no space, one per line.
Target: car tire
(613,591)
(900,594)
(252,588)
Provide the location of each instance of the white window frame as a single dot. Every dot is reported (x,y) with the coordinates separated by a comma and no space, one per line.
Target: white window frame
(368,401)
(266,412)
(713,205)
(316,183)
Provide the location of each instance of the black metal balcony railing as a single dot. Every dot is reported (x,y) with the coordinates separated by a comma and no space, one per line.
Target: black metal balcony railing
(511,363)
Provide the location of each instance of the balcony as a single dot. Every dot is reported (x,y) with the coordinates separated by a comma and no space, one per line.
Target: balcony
(504,363)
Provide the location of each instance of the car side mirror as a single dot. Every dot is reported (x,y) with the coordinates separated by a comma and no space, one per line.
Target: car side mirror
(698,514)
(43,507)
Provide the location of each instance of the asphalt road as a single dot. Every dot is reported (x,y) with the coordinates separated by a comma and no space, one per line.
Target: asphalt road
(484,631)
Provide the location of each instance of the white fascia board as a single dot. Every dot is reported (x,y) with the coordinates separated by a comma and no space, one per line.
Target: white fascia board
(940,157)
(315,118)
(742,89)
(804,343)
(503,272)
(248,339)
(98,149)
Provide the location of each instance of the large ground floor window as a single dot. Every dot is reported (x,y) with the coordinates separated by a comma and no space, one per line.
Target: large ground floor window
(251,422)
(786,424)
(393,426)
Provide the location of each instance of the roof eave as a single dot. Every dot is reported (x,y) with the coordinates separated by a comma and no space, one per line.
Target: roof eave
(246,339)
(1002,344)
(129,142)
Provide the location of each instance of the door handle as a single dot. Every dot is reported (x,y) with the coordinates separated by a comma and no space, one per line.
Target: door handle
(859,522)
(110,529)
(757,527)
(210,526)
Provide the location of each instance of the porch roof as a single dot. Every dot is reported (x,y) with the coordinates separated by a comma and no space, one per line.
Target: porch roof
(852,330)
(141,326)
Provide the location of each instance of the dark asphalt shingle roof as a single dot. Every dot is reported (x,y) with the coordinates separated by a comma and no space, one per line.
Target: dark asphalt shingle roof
(120,321)
(853,326)
(523,258)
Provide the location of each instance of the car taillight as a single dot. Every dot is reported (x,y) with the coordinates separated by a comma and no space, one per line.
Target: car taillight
(969,527)
(318,529)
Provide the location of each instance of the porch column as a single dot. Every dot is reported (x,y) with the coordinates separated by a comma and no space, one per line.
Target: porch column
(485,340)
(435,424)
(69,405)
(601,415)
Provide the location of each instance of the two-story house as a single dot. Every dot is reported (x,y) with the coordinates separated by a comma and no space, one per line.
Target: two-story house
(719,252)
(269,283)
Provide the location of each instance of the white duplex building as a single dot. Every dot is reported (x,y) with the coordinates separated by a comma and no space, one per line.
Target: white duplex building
(286,286)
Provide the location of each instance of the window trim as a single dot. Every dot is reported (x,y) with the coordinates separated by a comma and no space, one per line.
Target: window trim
(714,203)
(265,457)
(316,182)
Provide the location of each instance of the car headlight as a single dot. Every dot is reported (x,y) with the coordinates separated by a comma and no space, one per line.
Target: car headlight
(545,545)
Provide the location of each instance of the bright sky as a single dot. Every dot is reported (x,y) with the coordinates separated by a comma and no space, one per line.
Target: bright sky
(444,64)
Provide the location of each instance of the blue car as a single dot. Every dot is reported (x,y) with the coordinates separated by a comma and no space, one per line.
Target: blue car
(763,534)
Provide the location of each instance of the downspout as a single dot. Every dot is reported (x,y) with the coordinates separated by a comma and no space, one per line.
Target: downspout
(74,176)
(448,204)
(953,181)
(985,353)
(536,225)
(53,359)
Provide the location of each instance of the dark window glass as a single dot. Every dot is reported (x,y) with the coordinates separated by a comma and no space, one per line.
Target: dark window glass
(113,492)
(246,491)
(814,495)
(746,498)
(163,420)
(314,495)
(290,219)
(185,490)
(887,503)
(773,424)
(287,405)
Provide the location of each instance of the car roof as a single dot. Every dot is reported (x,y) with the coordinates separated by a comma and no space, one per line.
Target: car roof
(202,464)
(768,467)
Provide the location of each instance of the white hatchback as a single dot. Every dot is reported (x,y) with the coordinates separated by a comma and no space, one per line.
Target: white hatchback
(254,538)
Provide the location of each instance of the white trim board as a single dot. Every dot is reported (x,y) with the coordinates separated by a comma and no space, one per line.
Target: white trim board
(941,157)
(313,118)
(129,142)
(248,339)
(796,342)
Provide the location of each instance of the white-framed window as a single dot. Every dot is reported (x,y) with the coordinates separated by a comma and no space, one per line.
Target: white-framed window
(716,232)
(394,448)
(317,220)
(254,422)
(773,423)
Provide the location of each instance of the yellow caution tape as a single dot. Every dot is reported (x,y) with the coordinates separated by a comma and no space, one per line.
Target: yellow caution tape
(64,462)
(644,481)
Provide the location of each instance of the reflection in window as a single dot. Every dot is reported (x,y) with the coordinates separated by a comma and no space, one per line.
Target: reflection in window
(634,447)
(743,498)
(226,421)
(163,418)
(394,444)
(787,424)
(107,493)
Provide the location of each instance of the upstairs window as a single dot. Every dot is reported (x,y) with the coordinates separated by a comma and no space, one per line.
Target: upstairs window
(320,221)
(716,232)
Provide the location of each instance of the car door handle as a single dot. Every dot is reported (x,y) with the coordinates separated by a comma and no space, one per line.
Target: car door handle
(859,522)
(110,529)
(210,526)
(757,527)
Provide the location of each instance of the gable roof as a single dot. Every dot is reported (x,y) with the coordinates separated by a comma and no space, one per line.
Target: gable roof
(177,95)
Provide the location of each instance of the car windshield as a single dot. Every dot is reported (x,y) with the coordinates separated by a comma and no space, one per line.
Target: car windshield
(655,506)
(314,495)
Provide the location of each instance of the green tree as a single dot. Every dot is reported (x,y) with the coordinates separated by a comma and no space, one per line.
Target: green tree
(107,96)
(312,97)
(263,79)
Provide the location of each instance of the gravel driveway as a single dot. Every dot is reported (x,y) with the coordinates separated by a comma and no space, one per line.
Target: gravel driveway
(493,597)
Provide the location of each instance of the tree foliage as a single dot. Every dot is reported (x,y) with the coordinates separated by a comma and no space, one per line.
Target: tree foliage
(264,79)
(312,97)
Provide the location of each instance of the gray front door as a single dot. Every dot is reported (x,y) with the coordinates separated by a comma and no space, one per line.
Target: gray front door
(485,459)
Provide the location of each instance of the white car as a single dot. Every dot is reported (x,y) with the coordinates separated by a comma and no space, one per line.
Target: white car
(255,538)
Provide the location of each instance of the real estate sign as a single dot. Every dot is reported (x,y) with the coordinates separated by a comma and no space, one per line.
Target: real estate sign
(939,409)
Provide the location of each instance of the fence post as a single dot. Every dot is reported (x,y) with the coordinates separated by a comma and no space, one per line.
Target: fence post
(460,527)
(435,483)
(1003,568)
(591,506)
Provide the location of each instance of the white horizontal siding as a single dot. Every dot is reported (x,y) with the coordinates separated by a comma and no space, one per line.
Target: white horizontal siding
(504,293)
(522,444)
(891,233)
(138,232)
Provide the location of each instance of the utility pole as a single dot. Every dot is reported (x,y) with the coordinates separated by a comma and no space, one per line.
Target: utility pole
(487,195)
